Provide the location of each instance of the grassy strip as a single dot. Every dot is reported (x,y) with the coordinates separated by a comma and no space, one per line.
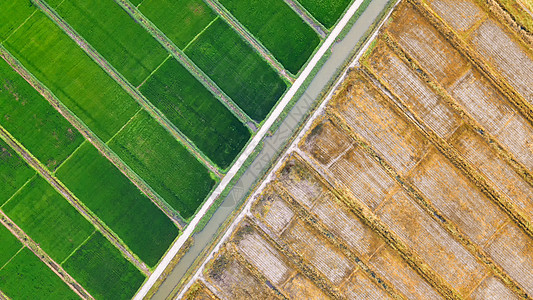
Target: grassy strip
(75,79)
(111,31)
(99,267)
(48,219)
(170,169)
(197,112)
(35,123)
(26,277)
(279,28)
(237,69)
(117,202)
(326,12)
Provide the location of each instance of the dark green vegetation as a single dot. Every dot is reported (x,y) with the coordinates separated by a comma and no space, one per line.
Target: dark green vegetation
(180,20)
(117,202)
(237,69)
(277,27)
(163,163)
(26,277)
(100,268)
(115,35)
(48,219)
(14,172)
(33,121)
(13,13)
(326,12)
(71,75)
(196,112)
(9,245)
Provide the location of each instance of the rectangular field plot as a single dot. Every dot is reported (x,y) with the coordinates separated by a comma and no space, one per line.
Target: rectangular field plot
(102,270)
(48,219)
(269,261)
(198,291)
(299,287)
(506,55)
(25,277)
(451,192)
(273,211)
(164,163)
(71,75)
(115,35)
(419,97)
(326,12)
(235,281)
(14,172)
(492,288)
(13,13)
(374,118)
(361,287)
(492,111)
(425,44)
(196,112)
(278,28)
(389,264)
(9,245)
(503,177)
(301,183)
(432,243)
(33,121)
(460,15)
(316,250)
(180,20)
(237,69)
(325,142)
(512,249)
(118,203)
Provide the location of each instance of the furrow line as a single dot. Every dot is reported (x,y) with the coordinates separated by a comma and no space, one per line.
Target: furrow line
(131,90)
(92,138)
(73,200)
(43,256)
(180,56)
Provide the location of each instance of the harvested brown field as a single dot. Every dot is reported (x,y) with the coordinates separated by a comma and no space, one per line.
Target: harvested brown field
(414,182)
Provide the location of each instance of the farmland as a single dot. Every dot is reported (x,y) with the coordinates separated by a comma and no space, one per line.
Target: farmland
(413,182)
(197,112)
(13,172)
(163,166)
(278,28)
(237,69)
(48,135)
(10,245)
(326,12)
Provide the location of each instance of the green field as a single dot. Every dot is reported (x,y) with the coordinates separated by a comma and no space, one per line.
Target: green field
(9,245)
(278,28)
(14,172)
(26,277)
(326,12)
(237,69)
(48,219)
(163,163)
(33,121)
(13,13)
(116,201)
(180,20)
(196,112)
(103,271)
(115,35)
(71,75)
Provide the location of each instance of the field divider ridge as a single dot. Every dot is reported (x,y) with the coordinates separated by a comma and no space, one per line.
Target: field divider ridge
(10,259)
(338,242)
(90,136)
(308,270)
(186,62)
(497,8)
(307,17)
(425,204)
(250,38)
(18,190)
(73,200)
(372,221)
(43,256)
(475,176)
(126,85)
(501,84)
